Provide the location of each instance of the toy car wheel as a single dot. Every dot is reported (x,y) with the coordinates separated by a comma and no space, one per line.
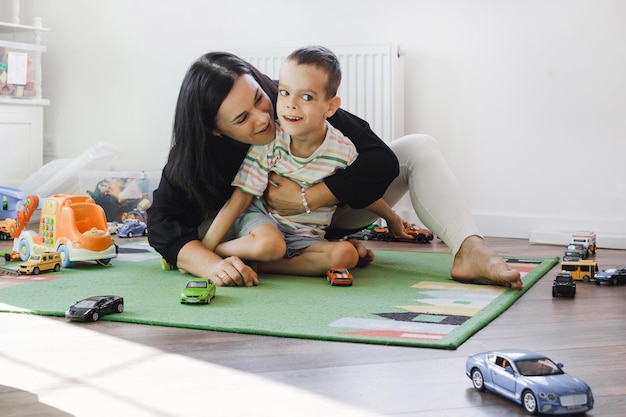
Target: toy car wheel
(530,402)
(24,250)
(478,380)
(57,268)
(36,271)
(65,256)
(7,257)
(586,278)
(120,308)
(553,293)
(95,316)
(130,234)
(614,282)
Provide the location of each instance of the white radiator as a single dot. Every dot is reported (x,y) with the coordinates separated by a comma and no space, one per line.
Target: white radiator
(372,83)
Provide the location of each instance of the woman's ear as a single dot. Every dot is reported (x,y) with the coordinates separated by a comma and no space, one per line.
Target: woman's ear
(216,132)
(333,105)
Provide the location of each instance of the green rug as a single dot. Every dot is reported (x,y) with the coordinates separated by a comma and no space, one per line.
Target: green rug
(403,298)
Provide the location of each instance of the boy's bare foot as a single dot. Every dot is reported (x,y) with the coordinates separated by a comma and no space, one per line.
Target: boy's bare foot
(477,263)
(366,256)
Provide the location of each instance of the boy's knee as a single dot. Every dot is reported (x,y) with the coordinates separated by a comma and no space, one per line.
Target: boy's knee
(345,255)
(275,247)
(271,246)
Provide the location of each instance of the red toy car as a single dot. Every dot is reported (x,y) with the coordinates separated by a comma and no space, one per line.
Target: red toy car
(339,276)
(419,235)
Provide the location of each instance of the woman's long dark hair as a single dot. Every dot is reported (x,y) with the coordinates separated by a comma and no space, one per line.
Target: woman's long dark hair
(195,156)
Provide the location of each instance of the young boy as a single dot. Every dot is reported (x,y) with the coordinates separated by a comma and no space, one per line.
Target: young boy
(306,150)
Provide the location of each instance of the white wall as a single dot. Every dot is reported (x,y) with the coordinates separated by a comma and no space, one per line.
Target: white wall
(527,98)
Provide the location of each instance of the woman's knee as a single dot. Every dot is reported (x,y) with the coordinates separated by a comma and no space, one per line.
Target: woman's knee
(415,146)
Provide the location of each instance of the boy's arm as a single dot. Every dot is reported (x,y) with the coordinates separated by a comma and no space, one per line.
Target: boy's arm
(235,205)
(397,225)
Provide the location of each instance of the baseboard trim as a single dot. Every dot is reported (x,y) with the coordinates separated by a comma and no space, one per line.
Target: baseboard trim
(610,234)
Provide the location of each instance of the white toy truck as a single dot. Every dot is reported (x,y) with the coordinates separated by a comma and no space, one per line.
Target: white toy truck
(587,239)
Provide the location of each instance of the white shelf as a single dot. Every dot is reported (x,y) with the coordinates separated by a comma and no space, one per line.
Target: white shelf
(14,27)
(24,101)
(21,118)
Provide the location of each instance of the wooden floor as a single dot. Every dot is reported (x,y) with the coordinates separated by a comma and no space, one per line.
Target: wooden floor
(53,368)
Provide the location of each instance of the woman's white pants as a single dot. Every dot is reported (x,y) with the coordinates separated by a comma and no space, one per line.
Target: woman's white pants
(433,189)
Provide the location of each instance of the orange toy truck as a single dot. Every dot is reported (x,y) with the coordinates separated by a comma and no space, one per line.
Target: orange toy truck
(73,225)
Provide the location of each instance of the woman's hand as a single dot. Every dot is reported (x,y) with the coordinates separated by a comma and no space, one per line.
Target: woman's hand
(398,227)
(196,259)
(284,197)
(233,272)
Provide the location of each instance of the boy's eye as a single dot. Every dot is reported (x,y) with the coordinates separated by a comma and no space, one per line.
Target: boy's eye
(283,92)
(307,97)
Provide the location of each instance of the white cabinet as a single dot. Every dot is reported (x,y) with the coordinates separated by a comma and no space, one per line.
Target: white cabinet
(21,140)
(21,102)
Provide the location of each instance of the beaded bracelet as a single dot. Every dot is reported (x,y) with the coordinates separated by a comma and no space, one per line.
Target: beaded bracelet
(304,202)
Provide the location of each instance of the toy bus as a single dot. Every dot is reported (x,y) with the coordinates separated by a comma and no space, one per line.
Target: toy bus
(583,270)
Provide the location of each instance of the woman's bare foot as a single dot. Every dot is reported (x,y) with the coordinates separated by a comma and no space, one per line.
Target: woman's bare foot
(366,256)
(477,263)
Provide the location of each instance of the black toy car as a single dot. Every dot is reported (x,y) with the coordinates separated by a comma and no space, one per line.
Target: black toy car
(564,285)
(575,252)
(92,308)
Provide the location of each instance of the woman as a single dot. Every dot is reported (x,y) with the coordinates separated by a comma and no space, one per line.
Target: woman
(225,105)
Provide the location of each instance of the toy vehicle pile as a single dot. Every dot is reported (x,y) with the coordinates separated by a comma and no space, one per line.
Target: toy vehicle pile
(382,234)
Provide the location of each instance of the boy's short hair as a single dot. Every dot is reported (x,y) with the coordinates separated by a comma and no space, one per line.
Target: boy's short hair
(323,58)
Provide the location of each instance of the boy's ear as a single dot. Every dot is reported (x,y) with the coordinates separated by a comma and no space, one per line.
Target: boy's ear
(333,105)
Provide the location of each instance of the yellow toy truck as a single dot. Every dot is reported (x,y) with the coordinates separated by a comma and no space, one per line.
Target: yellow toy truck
(73,225)
(45,261)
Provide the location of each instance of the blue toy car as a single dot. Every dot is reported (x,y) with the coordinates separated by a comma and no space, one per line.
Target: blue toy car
(612,276)
(530,379)
(132,228)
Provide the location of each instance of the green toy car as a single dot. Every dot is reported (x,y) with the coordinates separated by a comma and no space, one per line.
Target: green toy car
(198,290)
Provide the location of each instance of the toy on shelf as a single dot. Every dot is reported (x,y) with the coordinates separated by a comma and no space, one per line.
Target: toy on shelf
(530,379)
(198,290)
(72,225)
(563,285)
(339,276)
(92,308)
(45,261)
